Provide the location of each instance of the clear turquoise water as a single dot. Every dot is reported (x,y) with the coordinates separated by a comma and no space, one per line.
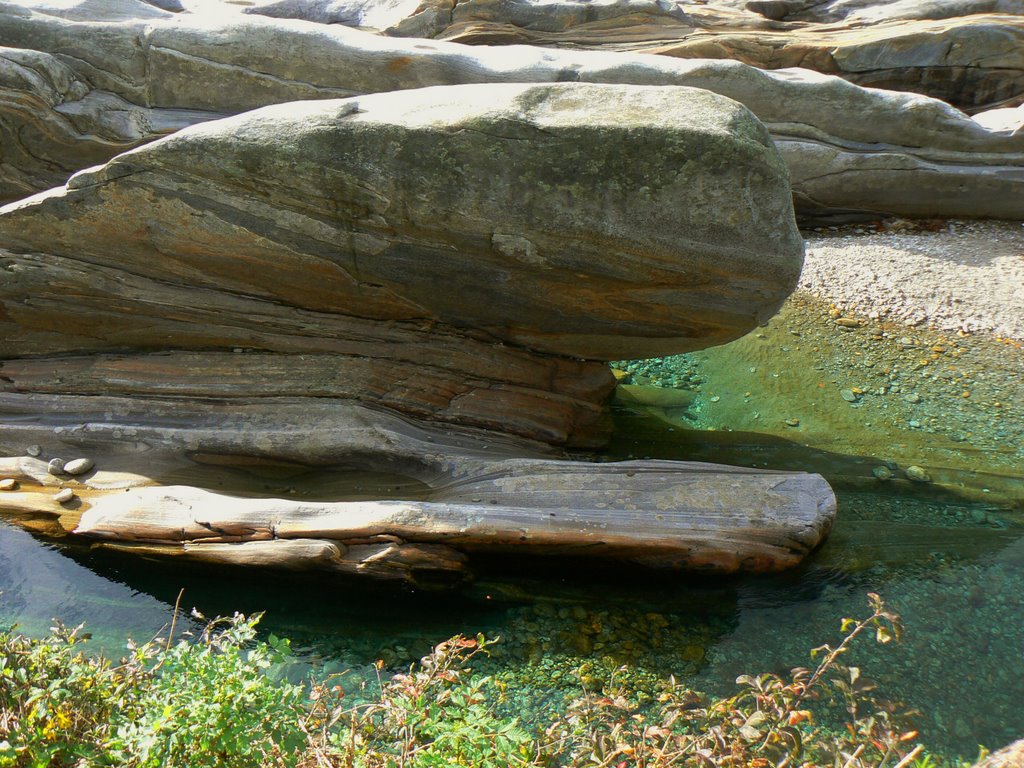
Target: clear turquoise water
(954,571)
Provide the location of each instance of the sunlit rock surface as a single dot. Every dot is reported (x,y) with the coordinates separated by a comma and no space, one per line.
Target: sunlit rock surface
(75,93)
(453,253)
(968,53)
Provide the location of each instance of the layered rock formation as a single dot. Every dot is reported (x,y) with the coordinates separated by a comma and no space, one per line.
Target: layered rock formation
(452,253)
(74,93)
(295,284)
(586,221)
(970,54)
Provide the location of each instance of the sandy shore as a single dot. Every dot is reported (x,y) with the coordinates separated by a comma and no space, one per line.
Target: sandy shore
(949,275)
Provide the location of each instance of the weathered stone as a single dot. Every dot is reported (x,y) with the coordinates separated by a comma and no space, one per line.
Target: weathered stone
(918,474)
(849,149)
(64,495)
(1011,756)
(645,221)
(969,54)
(78,466)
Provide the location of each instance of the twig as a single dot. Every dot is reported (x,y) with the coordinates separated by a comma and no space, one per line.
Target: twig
(854,756)
(909,758)
(174,619)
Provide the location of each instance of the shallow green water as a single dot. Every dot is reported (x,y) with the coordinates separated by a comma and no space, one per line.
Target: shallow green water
(947,555)
(959,585)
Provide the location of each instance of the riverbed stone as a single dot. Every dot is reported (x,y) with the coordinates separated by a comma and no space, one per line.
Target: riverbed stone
(76,93)
(64,495)
(970,54)
(317,234)
(918,474)
(78,466)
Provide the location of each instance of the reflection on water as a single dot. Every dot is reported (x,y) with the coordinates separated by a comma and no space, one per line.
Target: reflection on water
(948,555)
(958,582)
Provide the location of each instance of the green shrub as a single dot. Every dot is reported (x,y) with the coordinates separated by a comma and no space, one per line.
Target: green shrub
(57,706)
(435,715)
(209,704)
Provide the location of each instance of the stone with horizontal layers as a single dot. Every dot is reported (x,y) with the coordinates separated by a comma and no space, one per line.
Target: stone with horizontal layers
(420,286)
(76,93)
(454,253)
(969,54)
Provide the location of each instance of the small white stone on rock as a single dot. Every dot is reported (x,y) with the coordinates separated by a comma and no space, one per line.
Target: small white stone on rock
(55,466)
(8,484)
(64,495)
(78,466)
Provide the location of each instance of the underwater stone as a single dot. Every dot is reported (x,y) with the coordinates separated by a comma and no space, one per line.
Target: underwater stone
(55,466)
(918,474)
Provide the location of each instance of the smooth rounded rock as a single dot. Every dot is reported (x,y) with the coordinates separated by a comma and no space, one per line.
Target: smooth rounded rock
(918,474)
(64,495)
(33,450)
(55,466)
(8,484)
(882,473)
(78,466)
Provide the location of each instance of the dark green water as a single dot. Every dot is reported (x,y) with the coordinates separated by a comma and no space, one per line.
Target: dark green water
(947,555)
(955,576)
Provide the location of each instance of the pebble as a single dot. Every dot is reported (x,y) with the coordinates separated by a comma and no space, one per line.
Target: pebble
(913,397)
(715,399)
(8,484)
(918,474)
(792,422)
(848,322)
(882,473)
(78,466)
(64,495)
(33,450)
(55,466)
(848,395)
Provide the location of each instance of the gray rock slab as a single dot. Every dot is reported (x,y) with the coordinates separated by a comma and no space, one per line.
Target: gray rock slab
(850,150)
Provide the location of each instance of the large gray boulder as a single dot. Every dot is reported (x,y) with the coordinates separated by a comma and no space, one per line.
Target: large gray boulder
(849,149)
(428,251)
(412,292)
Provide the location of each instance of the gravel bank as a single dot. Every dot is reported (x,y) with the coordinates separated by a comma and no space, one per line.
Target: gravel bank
(955,275)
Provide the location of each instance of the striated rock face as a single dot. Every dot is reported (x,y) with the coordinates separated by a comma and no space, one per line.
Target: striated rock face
(970,54)
(451,253)
(77,93)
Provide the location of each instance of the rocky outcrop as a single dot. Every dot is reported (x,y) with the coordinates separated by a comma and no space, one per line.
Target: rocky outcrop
(412,293)
(456,254)
(849,149)
(970,54)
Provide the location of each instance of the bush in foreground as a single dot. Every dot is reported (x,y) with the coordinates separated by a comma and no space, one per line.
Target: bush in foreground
(207,702)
